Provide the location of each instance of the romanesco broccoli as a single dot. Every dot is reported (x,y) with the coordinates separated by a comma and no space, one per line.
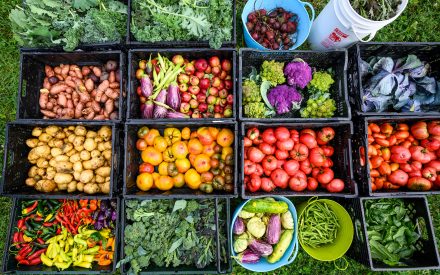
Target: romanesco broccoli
(321,82)
(255,110)
(273,71)
(251,92)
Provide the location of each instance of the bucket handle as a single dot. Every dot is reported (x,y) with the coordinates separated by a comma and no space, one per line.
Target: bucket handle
(311,8)
(292,258)
(372,34)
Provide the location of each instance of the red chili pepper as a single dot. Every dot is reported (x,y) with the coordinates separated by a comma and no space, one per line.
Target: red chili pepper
(25,250)
(20,223)
(15,239)
(20,237)
(58,231)
(37,254)
(40,241)
(35,261)
(29,209)
(48,224)
(19,257)
(24,262)
(38,219)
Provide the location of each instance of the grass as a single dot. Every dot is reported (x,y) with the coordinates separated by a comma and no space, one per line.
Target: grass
(419,22)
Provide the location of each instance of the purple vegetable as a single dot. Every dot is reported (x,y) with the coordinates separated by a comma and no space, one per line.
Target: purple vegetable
(239,226)
(160,111)
(284,98)
(176,115)
(147,109)
(114,215)
(173,97)
(273,231)
(146,86)
(261,248)
(248,257)
(298,73)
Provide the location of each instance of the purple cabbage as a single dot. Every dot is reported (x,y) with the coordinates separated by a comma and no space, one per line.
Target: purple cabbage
(248,257)
(146,86)
(261,248)
(298,73)
(147,109)
(160,111)
(284,99)
(173,97)
(239,226)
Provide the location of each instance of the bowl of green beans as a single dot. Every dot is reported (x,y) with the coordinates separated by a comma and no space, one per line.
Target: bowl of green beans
(325,229)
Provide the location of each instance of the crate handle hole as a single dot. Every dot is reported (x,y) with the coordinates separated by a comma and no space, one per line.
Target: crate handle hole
(23,87)
(422,229)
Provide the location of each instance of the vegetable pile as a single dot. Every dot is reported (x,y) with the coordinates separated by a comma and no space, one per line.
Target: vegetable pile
(280,90)
(263,228)
(376,10)
(172,233)
(65,233)
(68,23)
(274,30)
(70,159)
(402,85)
(279,158)
(318,225)
(89,92)
(187,20)
(179,88)
(403,155)
(391,230)
(202,159)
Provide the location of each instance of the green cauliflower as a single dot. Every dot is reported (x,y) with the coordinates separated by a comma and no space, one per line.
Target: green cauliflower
(251,92)
(322,81)
(273,72)
(255,110)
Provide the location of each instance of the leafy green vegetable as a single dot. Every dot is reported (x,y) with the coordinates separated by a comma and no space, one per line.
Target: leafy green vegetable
(67,23)
(391,230)
(187,20)
(167,233)
(376,10)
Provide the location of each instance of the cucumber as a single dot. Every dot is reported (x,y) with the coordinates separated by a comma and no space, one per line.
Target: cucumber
(281,247)
(266,206)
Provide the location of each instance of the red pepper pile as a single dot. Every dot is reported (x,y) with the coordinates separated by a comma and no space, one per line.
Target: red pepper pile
(404,155)
(75,213)
(281,158)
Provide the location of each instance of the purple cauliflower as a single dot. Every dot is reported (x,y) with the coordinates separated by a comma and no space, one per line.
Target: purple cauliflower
(284,99)
(298,73)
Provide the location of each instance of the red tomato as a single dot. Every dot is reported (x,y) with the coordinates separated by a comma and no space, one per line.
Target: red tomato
(430,144)
(257,141)
(305,166)
(254,183)
(266,148)
(285,145)
(315,172)
(291,167)
(253,133)
(437,182)
(294,135)
(413,174)
(325,135)
(300,174)
(434,164)
(374,127)
(300,152)
(398,177)
(401,134)
(308,140)
(432,155)
(402,127)
(317,157)
(418,153)
(374,173)
(434,127)
(386,129)
(280,163)
(269,136)
(325,176)
(259,170)
(247,142)
(328,150)
(384,169)
(255,154)
(270,163)
(419,184)
(312,184)
(282,133)
(327,163)
(420,130)
(429,173)
(308,131)
(280,154)
(267,185)
(400,154)
(335,186)
(146,168)
(280,178)
(249,167)
(141,144)
(297,184)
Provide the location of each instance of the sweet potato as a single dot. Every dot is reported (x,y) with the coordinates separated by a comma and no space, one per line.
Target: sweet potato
(97,71)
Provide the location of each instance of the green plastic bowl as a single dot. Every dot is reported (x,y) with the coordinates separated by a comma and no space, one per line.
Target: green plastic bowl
(344,238)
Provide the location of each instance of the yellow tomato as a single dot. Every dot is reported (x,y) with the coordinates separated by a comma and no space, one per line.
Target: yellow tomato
(144,181)
(163,169)
(172,135)
(165,183)
(186,133)
(151,135)
(179,180)
(182,165)
(160,144)
(192,179)
(151,156)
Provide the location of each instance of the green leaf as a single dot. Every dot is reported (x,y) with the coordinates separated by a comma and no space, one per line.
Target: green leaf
(179,205)
(84,4)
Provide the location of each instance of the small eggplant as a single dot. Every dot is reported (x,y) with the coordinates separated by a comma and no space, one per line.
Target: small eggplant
(273,229)
(176,115)
(173,97)
(239,226)
(146,86)
(261,248)
(248,257)
(148,109)
(160,111)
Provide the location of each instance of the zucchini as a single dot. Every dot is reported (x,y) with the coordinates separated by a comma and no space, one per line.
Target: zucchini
(266,206)
(281,247)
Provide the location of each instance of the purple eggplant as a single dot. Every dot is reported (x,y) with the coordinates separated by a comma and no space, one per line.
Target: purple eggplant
(148,109)
(239,226)
(248,257)
(146,86)
(273,231)
(160,111)
(261,248)
(176,115)
(173,97)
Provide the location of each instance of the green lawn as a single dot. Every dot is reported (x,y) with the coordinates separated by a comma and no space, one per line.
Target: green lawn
(418,23)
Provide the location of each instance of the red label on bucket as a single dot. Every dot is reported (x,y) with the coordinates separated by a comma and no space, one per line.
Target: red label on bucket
(335,36)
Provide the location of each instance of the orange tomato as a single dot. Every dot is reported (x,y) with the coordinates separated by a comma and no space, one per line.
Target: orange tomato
(179,180)
(394,166)
(160,144)
(150,136)
(192,158)
(204,136)
(182,165)
(392,140)
(374,127)
(374,173)
(376,162)
(165,183)
(384,169)
(386,154)
(402,127)
(214,132)
(382,142)
(202,163)
(379,136)
(151,156)
(179,149)
(386,129)
(195,147)
(379,182)
(193,179)
(401,134)
(186,133)
(209,149)
(225,137)
(144,181)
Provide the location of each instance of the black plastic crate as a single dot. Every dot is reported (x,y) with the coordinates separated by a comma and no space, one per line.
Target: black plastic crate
(341,158)
(32,76)
(426,259)
(16,164)
(219,267)
(134,56)
(10,264)
(336,59)
(133,160)
(360,139)
(132,43)
(103,46)
(425,51)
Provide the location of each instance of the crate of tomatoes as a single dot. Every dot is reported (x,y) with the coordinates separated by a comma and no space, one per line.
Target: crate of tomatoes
(398,156)
(297,159)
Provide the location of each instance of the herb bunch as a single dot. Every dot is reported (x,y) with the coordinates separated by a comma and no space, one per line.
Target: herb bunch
(377,10)
(67,23)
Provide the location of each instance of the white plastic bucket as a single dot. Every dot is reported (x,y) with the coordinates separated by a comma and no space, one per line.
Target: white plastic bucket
(339,26)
